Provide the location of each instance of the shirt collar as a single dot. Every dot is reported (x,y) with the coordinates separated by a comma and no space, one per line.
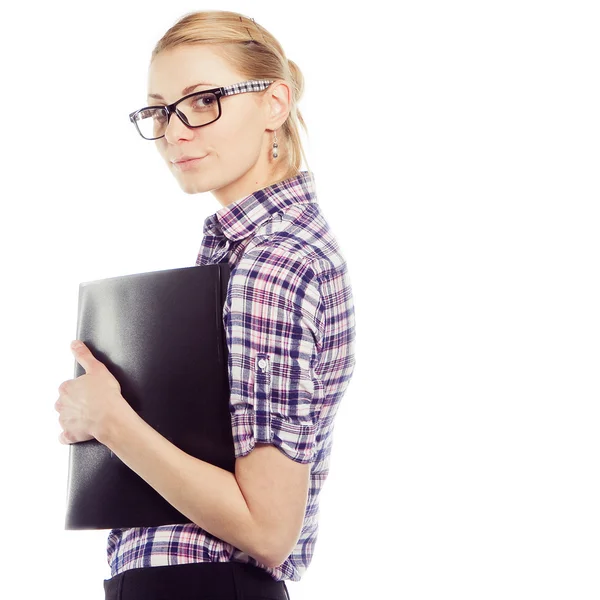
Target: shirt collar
(240,218)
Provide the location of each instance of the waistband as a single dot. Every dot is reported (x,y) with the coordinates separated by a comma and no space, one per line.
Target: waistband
(195,581)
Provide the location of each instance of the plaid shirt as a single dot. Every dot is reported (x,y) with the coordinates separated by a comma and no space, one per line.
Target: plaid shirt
(289,323)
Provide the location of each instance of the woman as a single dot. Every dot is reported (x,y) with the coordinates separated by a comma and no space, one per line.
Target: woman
(222,112)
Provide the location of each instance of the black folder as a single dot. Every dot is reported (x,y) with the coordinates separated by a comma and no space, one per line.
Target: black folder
(161,335)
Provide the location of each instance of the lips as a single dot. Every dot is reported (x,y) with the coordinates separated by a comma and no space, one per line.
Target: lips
(184,159)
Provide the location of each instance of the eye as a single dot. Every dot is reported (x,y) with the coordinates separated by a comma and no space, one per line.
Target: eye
(204,101)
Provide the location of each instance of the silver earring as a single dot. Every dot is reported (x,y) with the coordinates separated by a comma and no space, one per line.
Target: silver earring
(275,146)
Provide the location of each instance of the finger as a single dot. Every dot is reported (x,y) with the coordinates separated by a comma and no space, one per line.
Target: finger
(84,356)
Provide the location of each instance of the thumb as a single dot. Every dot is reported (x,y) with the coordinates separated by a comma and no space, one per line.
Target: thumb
(82,354)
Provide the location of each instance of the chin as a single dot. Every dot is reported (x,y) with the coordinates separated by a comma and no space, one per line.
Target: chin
(190,186)
(188,181)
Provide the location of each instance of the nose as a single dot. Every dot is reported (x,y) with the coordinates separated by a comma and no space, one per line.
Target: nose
(178,130)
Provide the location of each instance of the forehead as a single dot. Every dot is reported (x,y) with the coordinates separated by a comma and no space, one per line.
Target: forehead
(177,68)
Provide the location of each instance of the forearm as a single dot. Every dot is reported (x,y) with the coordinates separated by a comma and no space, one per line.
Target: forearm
(208,495)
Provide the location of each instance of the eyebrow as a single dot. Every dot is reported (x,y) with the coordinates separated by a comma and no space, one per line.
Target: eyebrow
(184,91)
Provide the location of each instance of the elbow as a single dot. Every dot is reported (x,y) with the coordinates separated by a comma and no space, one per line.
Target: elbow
(276,558)
(273,560)
(273,553)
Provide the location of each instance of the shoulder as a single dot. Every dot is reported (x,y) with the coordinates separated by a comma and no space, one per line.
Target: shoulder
(274,274)
(298,238)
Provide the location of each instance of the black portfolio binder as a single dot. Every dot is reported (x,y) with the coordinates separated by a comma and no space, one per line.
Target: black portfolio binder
(161,335)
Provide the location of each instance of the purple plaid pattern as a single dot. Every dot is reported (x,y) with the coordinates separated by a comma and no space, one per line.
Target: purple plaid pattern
(289,322)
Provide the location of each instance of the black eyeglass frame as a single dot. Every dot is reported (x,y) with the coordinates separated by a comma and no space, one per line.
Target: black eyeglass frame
(253,85)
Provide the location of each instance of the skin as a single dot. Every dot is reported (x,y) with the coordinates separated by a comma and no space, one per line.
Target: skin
(238,146)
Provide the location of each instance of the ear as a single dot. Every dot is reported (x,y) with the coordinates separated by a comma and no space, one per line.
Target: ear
(278,103)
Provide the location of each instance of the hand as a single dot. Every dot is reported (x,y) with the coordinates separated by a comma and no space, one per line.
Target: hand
(86,404)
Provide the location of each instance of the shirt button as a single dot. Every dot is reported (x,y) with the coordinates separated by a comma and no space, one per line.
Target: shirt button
(262,363)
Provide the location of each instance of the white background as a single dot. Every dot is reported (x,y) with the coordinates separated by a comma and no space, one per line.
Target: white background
(455,147)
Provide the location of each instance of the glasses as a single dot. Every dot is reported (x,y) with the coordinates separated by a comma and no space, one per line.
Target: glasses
(194,110)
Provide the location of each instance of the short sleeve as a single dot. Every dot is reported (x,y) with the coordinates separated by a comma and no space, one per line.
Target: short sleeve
(273,322)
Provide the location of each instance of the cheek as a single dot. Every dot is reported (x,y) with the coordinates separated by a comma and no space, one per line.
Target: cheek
(238,142)
(241,126)
(162,149)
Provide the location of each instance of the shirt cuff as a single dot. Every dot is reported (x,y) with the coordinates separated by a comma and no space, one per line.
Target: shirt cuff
(296,440)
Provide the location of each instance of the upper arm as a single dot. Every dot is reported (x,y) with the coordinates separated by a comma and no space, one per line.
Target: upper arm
(273,324)
(276,491)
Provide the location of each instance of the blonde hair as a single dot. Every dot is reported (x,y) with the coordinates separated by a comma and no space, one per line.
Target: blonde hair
(254,53)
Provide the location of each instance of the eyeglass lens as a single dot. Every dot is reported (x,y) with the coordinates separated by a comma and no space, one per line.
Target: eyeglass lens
(199,109)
